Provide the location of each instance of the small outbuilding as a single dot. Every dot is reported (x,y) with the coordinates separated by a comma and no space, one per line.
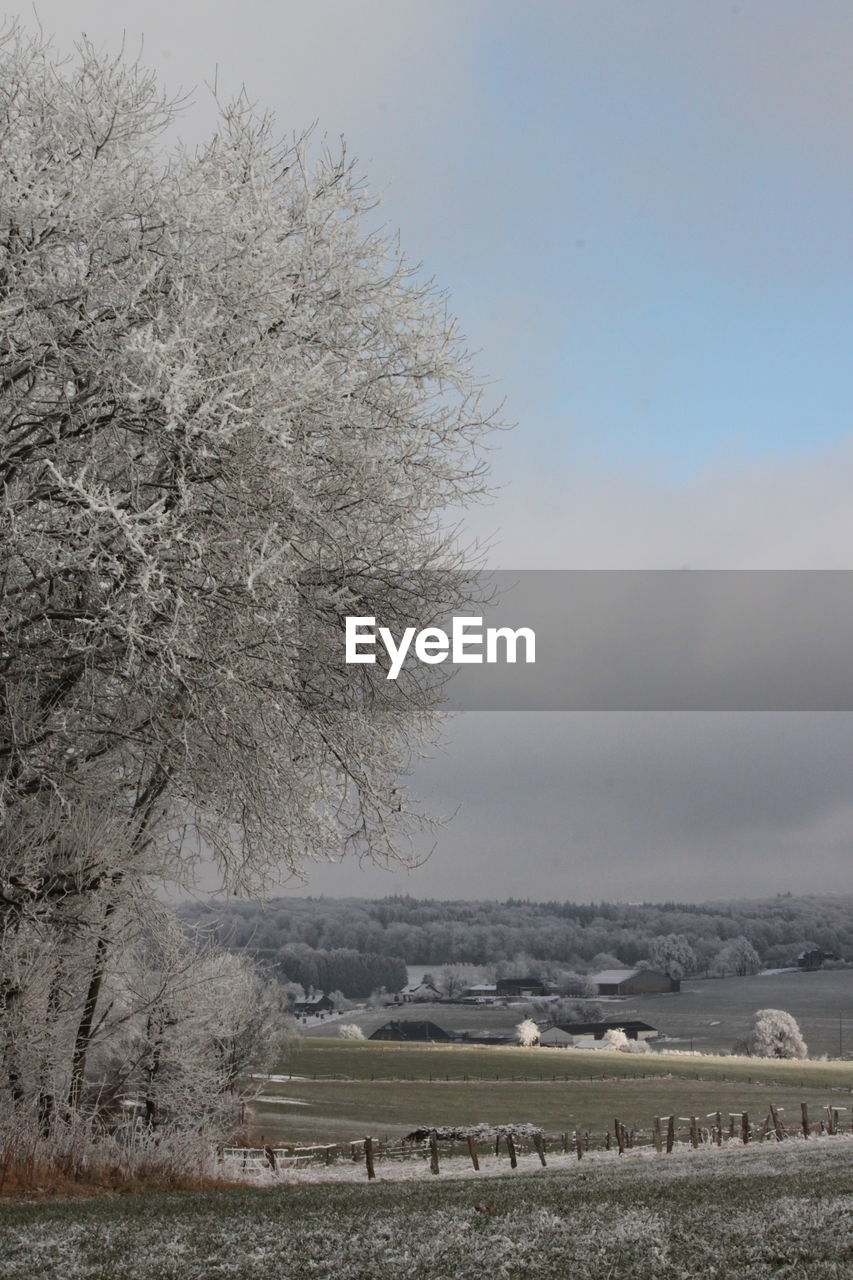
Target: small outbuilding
(814,959)
(313,1004)
(418,993)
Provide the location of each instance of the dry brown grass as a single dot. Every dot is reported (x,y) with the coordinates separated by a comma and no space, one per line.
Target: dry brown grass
(75,1162)
(45,1180)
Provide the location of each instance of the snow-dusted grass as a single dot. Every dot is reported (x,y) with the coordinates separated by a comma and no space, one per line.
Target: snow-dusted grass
(781,1211)
(416,1168)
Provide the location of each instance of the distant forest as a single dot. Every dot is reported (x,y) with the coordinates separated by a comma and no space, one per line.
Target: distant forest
(357,945)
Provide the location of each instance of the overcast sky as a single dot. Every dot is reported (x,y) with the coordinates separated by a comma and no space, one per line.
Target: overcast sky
(642,213)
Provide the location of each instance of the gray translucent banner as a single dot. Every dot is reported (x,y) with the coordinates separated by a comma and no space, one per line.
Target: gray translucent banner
(639,641)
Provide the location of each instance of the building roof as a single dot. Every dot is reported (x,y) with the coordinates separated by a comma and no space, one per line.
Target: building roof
(411,987)
(520,982)
(590,1028)
(614,975)
(409,1029)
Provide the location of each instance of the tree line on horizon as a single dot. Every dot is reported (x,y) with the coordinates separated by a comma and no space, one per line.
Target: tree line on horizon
(581,937)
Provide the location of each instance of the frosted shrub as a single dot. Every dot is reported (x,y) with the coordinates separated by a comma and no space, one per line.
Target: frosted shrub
(775,1034)
(527,1033)
(635,1046)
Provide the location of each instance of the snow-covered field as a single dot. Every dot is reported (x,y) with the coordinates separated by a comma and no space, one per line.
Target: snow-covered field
(683,1160)
(776,1210)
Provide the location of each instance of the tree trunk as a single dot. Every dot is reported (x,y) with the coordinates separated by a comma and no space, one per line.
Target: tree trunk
(83,1037)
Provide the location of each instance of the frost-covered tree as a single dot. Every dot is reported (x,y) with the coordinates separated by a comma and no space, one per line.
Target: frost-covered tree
(230,415)
(739,957)
(775,1034)
(673,954)
(452,979)
(527,1033)
(350,1031)
(614,1038)
(564,1010)
(569,983)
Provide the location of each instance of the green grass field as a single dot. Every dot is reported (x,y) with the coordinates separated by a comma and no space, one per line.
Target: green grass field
(350,1089)
(366,1060)
(773,1211)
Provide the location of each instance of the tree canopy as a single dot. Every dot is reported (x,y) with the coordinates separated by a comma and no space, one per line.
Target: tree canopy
(230,414)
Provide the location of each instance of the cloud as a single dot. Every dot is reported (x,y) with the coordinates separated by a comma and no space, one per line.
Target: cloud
(643,214)
(646,807)
(792,513)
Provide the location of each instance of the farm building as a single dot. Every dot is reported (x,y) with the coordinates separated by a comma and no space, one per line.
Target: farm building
(571,1033)
(418,992)
(313,1004)
(814,959)
(485,1037)
(403,1029)
(634,982)
(481,993)
(518,987)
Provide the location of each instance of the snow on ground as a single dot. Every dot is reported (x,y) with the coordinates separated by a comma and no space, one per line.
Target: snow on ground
(277,1098)
(276,1079)
(459,1168)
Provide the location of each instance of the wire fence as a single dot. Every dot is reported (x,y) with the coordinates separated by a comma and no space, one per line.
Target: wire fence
(433,1145)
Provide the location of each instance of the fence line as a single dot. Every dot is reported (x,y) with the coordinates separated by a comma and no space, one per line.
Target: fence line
(432,1145)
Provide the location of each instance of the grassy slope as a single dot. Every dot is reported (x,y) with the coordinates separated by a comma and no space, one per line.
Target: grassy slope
(387,1090)
(754,1214)
(360,1060)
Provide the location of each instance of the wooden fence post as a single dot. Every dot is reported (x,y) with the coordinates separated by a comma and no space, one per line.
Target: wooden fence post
(719,1129)
(433,1153)
(564,1141)
(804,1112)
(777,1123)
(620,1137)
(670,1134)
(498,1145)
(579,1144)
(694,1131)
(658,1137)
(472,1151)
(510,1146)
(368,1157)
(744,1127)
(540,1147)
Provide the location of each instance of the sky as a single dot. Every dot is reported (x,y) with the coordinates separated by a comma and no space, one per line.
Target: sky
(641,212)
